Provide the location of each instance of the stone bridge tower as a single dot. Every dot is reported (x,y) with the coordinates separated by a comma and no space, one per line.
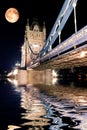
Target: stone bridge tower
(34,40)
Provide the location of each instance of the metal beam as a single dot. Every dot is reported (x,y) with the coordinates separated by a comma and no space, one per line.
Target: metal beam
(59,24)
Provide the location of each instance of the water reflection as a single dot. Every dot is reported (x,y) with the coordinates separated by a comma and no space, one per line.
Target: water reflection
(35,110)
(59,106)
(12,127)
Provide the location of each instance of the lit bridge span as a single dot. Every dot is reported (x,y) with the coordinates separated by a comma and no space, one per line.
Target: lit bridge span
(67,54)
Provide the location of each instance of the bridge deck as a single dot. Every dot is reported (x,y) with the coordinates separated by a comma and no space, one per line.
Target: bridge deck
(70,53)
(76,58)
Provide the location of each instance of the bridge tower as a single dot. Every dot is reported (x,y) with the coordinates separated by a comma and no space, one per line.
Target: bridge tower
(34,41)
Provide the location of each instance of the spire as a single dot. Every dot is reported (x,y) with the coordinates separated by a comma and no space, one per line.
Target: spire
(44,30)
(27,26)
(27,22)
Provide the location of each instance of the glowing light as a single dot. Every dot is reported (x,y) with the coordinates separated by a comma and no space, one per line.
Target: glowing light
(35,45)
(9,74)
(15,71)
(13,81)
(54,81)
(17,64)
(83,54)
(54,73)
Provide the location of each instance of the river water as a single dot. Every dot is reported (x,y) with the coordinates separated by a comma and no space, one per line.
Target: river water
(58,106)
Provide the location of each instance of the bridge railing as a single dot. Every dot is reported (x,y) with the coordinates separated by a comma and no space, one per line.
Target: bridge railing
(76,40)
(59,24)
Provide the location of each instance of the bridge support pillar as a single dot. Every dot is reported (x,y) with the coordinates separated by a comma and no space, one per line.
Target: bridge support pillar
(21,77)
(34,77)
(39,77)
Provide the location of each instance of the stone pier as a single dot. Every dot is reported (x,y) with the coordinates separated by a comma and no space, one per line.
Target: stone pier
(34,77)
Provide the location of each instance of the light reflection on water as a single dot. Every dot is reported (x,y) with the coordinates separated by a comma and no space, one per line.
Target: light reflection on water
(34,109)
(60,106)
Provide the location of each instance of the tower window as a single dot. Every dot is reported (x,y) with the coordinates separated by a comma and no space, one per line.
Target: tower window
(36,28)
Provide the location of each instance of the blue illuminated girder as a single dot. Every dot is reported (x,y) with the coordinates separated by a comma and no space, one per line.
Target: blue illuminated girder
(62,17)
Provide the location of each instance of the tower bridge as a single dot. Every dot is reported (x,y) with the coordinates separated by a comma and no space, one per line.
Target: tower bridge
(37,51)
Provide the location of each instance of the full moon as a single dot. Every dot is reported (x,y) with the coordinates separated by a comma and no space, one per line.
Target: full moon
(12,15)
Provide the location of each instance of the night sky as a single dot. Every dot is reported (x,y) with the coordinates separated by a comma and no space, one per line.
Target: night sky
(12,34)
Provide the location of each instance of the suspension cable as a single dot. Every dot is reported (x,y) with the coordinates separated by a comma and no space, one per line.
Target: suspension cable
(75,21)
